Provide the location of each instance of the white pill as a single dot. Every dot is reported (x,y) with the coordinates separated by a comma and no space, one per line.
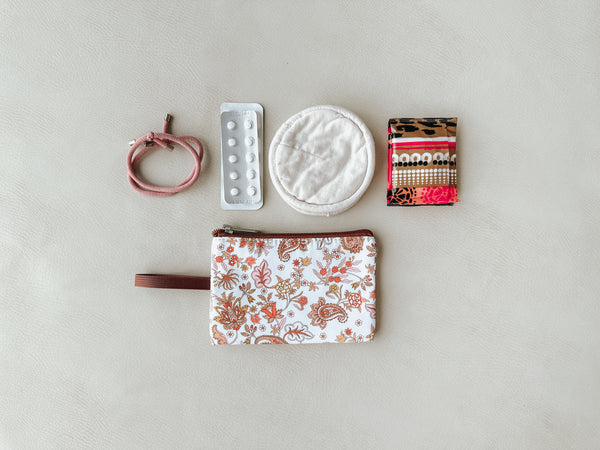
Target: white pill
(231,125)
(250,157)
(232,142)
(233,159)
(251,190)
(234,175)
(248,123)
(249,141)
(251,174)
(235,192)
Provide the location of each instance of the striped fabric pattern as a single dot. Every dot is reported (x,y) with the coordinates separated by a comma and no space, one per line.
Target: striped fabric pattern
(421,161)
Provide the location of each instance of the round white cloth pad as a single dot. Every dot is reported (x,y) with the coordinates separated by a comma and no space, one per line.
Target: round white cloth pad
(322,160)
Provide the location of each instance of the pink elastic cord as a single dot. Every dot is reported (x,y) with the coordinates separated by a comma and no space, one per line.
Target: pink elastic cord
(163,140)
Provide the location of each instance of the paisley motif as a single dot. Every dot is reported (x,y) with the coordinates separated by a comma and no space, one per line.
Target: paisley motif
(287,246)
(323,312)
(269,339)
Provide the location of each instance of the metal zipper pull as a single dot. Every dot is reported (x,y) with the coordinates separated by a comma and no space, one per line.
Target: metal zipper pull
(230,230)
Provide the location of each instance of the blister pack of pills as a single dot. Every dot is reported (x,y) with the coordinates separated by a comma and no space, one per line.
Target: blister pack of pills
(241,155)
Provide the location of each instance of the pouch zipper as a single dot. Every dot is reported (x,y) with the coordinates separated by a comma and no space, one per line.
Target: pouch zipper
(228,230)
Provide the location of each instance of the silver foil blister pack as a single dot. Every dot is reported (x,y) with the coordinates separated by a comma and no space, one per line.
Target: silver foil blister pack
(241,155)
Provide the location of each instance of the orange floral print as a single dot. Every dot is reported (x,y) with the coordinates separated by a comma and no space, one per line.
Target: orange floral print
(353,244)
(308,290)
(232,316)
(355,299)
(226,280)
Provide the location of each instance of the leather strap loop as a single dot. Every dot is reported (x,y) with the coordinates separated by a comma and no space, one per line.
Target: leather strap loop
(164,281)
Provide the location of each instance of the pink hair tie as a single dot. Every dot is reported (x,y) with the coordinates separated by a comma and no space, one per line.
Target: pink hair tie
(164,140)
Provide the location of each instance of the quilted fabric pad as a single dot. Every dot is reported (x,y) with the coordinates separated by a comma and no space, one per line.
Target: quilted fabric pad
(322,160)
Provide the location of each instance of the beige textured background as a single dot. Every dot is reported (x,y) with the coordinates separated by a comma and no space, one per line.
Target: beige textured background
(489,316)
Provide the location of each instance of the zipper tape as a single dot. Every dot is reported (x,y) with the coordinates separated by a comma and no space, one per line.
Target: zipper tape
(228,230)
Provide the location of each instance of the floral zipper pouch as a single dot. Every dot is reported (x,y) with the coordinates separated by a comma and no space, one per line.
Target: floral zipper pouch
(421,162)
(273,288)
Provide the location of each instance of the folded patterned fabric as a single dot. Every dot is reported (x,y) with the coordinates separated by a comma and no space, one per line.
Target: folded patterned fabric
(422,162)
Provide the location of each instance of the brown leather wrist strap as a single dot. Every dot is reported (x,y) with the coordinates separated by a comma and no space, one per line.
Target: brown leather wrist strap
(163,281)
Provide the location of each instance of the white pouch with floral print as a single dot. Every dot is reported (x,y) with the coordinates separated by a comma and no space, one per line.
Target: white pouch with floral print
(273,288)
(299,288)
